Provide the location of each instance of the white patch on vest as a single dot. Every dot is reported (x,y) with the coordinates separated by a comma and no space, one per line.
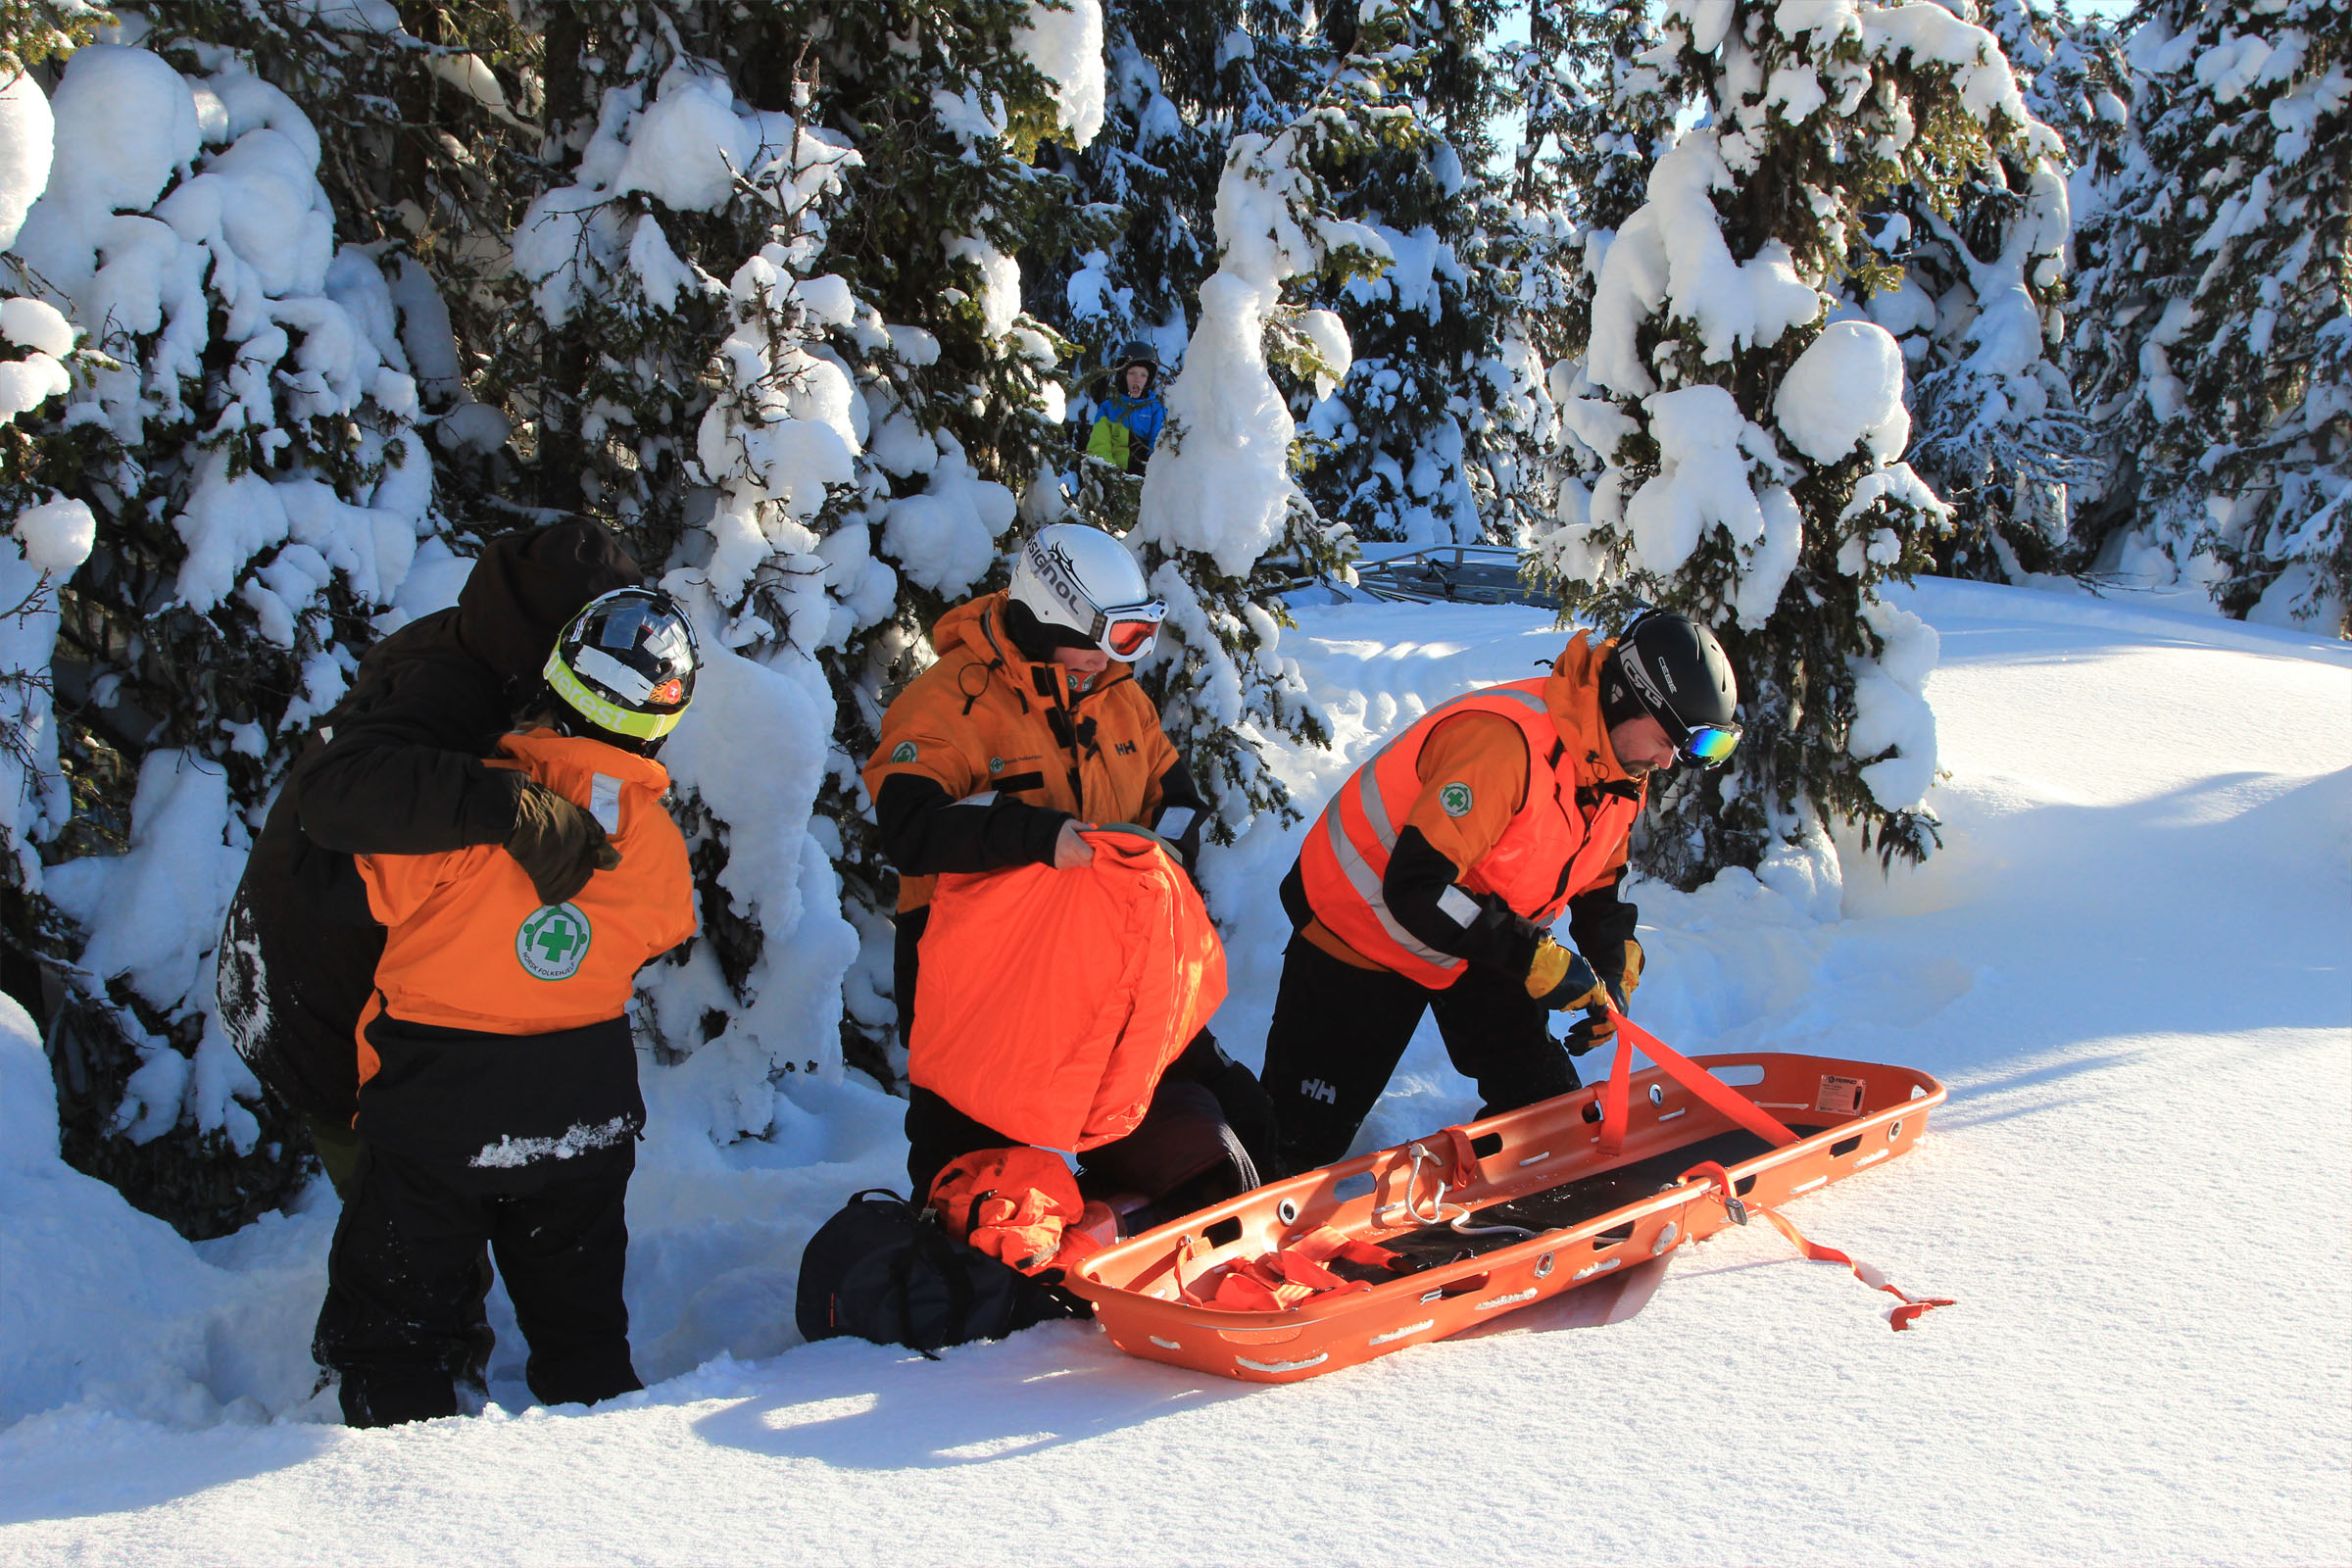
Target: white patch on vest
(982,799)
(1459,905)
(513,1153)
(627,684)
(604,803)
(1175,821)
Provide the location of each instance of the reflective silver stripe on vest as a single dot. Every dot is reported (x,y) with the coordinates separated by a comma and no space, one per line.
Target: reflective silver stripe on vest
(1358,870)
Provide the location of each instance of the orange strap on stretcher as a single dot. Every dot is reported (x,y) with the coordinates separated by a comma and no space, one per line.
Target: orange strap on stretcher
(1296,1273)
(1683,1070)
(1900,1317)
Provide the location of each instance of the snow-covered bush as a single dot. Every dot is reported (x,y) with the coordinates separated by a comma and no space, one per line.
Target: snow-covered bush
(1749,446)
(2210,328)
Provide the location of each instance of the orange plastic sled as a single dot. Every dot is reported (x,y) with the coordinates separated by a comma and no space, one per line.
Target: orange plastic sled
(1503,1212)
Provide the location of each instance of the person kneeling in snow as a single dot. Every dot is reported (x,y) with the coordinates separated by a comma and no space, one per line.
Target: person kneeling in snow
(498,1096)
(1031,720)
(1431,879)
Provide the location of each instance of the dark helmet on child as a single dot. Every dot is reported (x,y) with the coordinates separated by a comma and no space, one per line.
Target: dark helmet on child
(623,669)
(1672,669)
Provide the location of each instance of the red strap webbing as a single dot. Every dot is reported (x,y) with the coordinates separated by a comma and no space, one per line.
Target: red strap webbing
(1281,1280)
(1899,1318)
(1683,1070)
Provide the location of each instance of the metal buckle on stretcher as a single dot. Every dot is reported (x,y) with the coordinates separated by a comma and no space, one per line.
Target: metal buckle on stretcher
(1437,1203)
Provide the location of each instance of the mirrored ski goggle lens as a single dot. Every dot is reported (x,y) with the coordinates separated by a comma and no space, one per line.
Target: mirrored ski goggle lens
(1710,745)
(1130,639)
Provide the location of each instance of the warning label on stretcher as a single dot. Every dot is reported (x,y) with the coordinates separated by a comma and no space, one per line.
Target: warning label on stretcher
(1842,1097)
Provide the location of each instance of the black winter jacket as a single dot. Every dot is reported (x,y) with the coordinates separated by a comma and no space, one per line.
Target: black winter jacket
(392,770)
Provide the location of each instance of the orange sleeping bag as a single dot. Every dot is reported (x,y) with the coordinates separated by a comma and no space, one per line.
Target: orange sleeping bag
(1048,1003)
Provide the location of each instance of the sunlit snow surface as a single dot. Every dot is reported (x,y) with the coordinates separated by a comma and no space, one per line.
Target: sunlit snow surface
(2129,963)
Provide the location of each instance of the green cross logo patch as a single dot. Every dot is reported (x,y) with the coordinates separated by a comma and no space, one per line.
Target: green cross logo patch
(1455,798)
(553,942)
(996,766)
(903,753)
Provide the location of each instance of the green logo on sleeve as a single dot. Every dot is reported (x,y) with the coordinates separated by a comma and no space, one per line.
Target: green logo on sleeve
(553,942)
(904,752)
(1455,798)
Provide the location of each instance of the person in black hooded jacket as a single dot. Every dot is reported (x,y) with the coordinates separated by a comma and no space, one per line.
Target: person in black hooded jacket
(395,768)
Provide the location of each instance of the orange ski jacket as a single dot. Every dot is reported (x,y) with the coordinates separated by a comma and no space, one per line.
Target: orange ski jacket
(1526,799)
(985,723)
(1051,1002)
(467,944)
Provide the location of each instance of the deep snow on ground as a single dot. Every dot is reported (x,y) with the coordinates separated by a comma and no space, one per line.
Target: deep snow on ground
(2132,965)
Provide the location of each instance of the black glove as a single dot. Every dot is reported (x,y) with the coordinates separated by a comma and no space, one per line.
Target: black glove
(556,844)
(1593,1030)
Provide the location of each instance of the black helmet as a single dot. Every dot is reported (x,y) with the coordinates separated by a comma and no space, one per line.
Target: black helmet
(625,664)
(1672,669)
(1135,351)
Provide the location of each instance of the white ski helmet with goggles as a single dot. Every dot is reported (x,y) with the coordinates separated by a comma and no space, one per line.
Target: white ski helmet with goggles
(1082,580)
(626,664)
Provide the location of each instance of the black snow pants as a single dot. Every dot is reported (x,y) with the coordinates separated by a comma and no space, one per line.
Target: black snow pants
(1206,1137)
(1338,1032)
(406,1282)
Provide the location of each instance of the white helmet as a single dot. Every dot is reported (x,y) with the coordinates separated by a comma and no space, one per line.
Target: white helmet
(1082,581)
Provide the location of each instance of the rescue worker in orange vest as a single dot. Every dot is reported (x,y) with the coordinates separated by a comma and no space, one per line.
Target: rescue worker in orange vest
(1030,726)
(497,1098)
(1433,877)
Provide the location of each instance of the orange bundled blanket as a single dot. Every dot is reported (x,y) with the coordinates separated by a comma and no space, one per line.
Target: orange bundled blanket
(1051,1002)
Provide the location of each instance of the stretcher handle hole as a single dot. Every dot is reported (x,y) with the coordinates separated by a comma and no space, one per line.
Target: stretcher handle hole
(1224,1233)
(1467,1285)
(1738,1076)
(1486,1144)
(1610,1238)
(1359,1185)
(1845,1146)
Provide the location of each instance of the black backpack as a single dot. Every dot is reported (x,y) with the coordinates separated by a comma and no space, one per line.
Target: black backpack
(883,1270)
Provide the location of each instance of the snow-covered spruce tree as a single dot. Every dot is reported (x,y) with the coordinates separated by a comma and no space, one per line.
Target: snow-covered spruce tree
(1177,76)
(1431,433)
(1752,477)
(951,109)
(1979,313)
(258,490)
(1224,525)
(2208,328)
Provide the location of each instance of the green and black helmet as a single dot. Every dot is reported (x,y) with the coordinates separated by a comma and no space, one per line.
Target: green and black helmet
(625,664)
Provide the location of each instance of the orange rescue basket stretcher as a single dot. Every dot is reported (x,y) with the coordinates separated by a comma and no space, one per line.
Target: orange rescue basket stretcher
(1609,1176)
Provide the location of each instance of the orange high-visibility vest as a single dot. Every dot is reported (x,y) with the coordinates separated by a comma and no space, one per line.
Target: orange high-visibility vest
(1051,1002)
(1551,851)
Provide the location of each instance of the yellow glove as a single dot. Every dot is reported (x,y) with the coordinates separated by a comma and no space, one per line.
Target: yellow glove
(1560,979)
(1633,973)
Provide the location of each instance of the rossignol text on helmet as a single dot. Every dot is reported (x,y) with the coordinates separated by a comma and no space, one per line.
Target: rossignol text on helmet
(626,664)
(1678,674)
(1083,580)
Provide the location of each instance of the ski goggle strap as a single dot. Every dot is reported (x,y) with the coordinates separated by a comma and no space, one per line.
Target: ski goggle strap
(1127,632)
(1711,745)
(603,712)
